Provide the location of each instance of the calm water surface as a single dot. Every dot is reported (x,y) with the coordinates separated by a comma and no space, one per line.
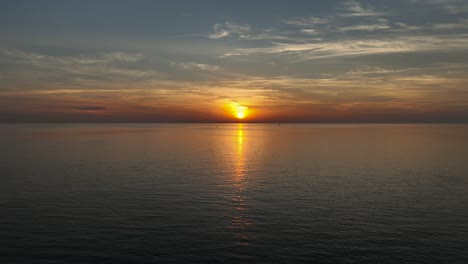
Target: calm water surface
(233,193)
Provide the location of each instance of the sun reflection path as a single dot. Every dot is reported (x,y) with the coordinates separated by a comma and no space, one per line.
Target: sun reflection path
(240,152)
(240,221)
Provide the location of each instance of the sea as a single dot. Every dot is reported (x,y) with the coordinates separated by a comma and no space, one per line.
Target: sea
(234,193)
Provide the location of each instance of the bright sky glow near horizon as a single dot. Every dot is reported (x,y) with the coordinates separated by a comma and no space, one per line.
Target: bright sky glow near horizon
(275,61)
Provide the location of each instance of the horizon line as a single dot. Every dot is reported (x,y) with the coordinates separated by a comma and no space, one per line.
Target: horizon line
(179,122)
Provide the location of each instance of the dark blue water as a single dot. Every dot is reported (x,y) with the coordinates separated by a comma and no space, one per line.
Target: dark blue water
(232,193)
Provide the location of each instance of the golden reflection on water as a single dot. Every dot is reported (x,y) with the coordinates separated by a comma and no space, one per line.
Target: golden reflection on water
(240,162)
(240,221)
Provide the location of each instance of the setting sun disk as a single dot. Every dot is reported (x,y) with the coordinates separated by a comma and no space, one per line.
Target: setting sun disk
(239,111)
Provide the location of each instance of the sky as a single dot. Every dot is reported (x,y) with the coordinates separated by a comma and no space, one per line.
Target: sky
(201,61)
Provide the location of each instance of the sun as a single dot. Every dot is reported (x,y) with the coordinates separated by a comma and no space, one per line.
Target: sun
(240,114)
(240,111)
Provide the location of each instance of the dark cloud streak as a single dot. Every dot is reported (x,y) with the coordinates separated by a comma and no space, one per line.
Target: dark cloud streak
(88,108)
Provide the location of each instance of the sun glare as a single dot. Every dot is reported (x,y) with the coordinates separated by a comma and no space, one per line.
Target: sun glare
(240,114)
(240,111)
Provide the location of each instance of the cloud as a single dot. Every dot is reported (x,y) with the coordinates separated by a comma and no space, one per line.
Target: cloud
(365,70)
(307,21)
(100,66)
(348,16)
(354,8)
(244,32)
(449,6)
(309,31)
(88,108)
(196,66)
(123,56)
(228,29)
(371,27)
(100,58)
(344,10)
(460,24)
(324,49)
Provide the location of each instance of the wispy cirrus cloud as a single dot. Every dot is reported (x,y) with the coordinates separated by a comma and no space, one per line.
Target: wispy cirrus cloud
(99,66)
(328,49)
(460,24)
(353,16)
(344,10)
(245,32)
(228,29)
(354,8)
(449,6)
(348,16)
(307,21)
(100,58)
(374,27)
(196,66)
(356,29)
